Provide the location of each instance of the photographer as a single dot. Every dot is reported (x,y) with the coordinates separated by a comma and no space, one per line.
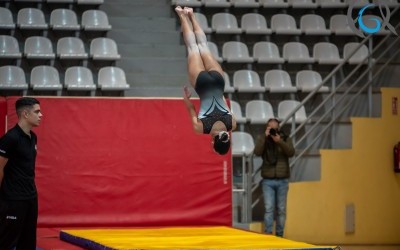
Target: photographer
(275,148)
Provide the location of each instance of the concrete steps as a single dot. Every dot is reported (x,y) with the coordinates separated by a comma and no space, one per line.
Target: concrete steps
(153,55)
(151,50)
(146,37)
(161,65)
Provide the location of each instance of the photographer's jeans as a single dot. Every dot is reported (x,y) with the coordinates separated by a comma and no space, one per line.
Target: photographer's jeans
(275,194)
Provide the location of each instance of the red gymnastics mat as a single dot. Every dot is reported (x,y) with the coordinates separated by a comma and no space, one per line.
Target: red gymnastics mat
(122,162)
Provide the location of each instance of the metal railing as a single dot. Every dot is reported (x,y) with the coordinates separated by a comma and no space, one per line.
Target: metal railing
(333,110)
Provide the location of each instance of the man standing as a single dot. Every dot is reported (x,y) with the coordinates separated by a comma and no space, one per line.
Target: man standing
(18,195)
(275,148)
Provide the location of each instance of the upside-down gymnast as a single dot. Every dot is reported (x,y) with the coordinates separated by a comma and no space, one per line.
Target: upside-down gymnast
(205,75)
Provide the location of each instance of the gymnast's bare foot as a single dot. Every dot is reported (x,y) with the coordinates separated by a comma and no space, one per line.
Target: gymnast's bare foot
(179,11)
(188,11)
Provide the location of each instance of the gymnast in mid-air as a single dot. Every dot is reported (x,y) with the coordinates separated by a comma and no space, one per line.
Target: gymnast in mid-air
(206,77)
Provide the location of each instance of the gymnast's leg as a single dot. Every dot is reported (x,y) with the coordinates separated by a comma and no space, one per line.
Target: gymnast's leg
(195,62)
(210,63)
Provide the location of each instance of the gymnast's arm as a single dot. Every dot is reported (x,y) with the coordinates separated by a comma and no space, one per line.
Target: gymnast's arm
(197,125)
(233,123)
(3,162)
(233,117)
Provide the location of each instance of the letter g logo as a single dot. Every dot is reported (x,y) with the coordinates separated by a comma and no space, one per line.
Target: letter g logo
(369,24)
(363,26)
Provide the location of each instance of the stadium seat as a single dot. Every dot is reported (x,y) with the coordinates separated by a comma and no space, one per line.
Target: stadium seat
(71,48)
(267,52)
(308,80)
(254,23)
(38,47)
(6,19)
(214,50)
(112,78)
(245,3)
(278,81)
(295,52)
(79,78)
(95,20)
(103,48)
(284,24)
(188,3)
(45,78)
(331,4)
(259,112)
(202,20)
(326,53)
(303,4)
(236,52)
(31,18)
(242,144)
(311,24)
(274,3)
(237,112)
(64,19)
(9,47)
(228,86)
(359,56)
(90,2)
(225,23)
(217,3)
(247,81)
(12,78)
(339,25)
(285,107)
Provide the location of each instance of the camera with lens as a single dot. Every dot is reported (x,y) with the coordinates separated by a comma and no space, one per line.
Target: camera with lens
(273,132)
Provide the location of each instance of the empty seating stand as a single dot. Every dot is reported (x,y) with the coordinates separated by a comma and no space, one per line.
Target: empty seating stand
(62,17)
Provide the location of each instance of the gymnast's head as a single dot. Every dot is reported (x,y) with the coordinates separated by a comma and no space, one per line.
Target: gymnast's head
(221,142)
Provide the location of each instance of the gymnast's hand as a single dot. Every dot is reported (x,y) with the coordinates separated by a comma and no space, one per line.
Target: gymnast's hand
(186,93)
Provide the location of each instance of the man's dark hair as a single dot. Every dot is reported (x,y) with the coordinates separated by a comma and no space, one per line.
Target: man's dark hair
(222,144)
(25,103)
